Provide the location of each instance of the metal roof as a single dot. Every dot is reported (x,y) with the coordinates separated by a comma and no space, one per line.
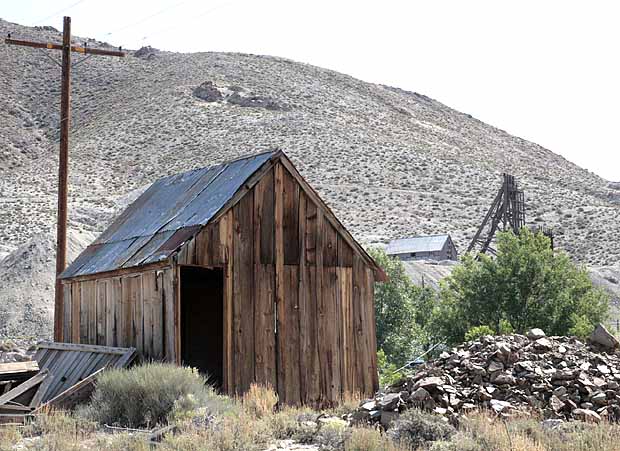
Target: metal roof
(167,214)
(430,243)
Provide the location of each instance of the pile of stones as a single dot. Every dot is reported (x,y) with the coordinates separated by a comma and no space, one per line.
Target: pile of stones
(556,377)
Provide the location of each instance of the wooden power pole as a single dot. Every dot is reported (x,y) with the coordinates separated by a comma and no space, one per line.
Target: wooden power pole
(63,166)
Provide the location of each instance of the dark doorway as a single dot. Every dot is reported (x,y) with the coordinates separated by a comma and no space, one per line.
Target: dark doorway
(202,321)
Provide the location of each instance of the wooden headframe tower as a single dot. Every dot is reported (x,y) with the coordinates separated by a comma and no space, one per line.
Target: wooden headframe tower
(507,212)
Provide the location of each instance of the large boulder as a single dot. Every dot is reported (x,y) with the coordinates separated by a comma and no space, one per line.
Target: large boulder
(604,338)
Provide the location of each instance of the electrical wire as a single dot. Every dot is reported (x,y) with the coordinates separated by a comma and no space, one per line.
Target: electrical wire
(58,12)
(149,17)
(193,18)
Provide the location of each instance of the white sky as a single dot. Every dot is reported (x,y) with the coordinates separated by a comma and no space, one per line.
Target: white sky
(547,71)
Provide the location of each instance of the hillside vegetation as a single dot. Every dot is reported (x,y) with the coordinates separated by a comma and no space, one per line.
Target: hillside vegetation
(390,163)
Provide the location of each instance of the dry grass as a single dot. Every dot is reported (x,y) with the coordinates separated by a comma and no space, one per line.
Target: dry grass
(251,423)
(483,433)
(366,439)
(260,400)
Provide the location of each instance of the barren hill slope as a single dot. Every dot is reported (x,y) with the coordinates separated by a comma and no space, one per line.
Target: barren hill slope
(391,163)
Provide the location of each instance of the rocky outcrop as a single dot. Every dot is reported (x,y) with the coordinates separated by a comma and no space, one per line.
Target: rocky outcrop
(236,95)
(557,377)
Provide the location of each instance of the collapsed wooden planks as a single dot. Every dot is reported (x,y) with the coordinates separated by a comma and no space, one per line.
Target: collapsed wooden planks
(67,376)
(26,396)
(71,363)
(18,371)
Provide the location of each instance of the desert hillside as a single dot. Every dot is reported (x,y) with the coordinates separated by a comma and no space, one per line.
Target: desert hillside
(390,163)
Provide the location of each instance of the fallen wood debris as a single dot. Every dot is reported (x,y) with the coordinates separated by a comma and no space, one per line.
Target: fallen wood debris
(60,376)
(72,396)
(22,396)
(18,371)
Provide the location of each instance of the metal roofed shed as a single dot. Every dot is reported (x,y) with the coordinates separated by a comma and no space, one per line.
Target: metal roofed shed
(239,270)
(424,247)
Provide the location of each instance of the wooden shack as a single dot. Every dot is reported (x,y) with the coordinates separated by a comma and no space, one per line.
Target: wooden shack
(239,270)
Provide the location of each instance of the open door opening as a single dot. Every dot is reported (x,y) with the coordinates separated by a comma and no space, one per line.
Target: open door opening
(202,321)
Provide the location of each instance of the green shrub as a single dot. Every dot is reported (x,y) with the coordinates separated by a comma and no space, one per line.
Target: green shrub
(526,285)
(146,395)
(478,332)
(416,428)
(582,327)
(401,311)
(387,371)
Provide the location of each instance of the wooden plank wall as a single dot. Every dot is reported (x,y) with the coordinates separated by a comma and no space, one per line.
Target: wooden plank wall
(281,254)
(283,259)
(132,310)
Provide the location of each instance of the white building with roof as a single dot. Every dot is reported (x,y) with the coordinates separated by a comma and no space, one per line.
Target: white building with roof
(431,247)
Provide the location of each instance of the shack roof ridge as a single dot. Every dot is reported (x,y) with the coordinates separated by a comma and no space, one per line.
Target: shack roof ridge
(274,153)
(422,236)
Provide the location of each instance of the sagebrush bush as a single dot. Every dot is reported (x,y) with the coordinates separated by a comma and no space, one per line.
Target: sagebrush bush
(145,395)
(416,428)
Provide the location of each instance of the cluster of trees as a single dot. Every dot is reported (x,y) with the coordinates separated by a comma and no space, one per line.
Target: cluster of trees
(526,285)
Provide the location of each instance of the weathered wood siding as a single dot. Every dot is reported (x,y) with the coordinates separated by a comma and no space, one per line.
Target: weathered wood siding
(129,310)
(284,259)
(298,300)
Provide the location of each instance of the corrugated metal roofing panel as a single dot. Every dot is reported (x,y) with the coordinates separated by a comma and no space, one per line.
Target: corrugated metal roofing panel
(431,243)
(105,256)
(208,202)
(149,250)
(181,202)
(69,363)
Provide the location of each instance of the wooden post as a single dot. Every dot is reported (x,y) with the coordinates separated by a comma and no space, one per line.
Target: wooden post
(63,163)
(63,174)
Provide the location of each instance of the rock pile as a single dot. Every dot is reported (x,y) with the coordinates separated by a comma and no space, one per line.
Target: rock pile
(558,377)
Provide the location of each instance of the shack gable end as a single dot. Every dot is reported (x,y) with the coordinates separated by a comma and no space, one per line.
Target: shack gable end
(309,292)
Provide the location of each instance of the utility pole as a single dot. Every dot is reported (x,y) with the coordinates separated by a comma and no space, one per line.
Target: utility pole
(63,166)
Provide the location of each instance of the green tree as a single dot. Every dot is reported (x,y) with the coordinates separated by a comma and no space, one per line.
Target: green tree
(527,285)
(401,311)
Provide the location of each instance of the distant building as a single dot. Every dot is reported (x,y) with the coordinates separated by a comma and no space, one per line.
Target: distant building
(432,247)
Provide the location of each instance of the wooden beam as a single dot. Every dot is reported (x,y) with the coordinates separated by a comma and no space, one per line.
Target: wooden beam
(24,387)
(84,348)
(74,48)
(74,394)
(18,370)
(279,274)
(120,272)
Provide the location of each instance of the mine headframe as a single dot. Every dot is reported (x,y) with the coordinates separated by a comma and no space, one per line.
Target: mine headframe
(507,212)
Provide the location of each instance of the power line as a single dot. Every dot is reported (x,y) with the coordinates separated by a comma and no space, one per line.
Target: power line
(193,18)
(138,22)
(59,12)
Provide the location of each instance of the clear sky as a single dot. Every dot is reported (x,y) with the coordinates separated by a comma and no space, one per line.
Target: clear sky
(547,71)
